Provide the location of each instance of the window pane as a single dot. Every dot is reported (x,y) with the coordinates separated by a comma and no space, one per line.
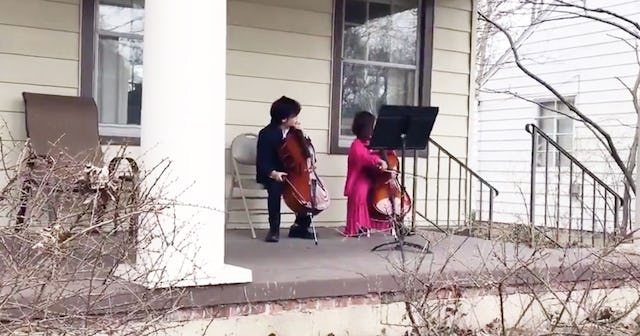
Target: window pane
(123,16)
(547,109)
(541,151)
(559,128)
(566,142)
(564,161)
(381,31)
(355,43)
(367,87)
(565,125)
(389,33)
(378,24)
(379,10)
(392,38)
(119,64)
(564,108)
(547,159)
(119,80)
(403,34)
(547,125)
(355,12)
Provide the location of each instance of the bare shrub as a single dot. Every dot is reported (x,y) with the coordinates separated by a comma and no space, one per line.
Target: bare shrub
(71,227)
(512,289)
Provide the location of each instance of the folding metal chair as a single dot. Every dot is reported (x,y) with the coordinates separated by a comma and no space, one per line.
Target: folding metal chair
(243,153)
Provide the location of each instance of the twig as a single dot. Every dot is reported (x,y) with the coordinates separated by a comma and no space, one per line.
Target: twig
(610,145)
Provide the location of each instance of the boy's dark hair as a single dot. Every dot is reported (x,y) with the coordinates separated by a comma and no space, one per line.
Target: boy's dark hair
(284,108)
(362,126)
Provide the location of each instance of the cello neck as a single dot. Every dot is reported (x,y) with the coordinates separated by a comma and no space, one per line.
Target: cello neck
(383,155)
(302,140)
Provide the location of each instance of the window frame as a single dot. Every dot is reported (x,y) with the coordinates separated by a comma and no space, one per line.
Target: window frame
(109,133)
(89,39)
(426,11)
(554,155)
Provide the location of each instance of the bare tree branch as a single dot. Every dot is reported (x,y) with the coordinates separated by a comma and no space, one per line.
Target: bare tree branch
(609,142)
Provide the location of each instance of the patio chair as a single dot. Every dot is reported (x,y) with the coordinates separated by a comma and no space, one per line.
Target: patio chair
(243,153)
(68,124)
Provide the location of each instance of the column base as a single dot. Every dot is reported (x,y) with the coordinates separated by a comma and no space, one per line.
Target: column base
(223,274)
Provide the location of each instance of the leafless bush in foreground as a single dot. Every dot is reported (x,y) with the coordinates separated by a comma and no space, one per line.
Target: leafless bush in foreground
(71,229)
(508,288)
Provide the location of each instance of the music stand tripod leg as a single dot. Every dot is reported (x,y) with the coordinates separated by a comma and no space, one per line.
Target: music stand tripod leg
(399,234)
(400,242)
(313,228)
(314,190)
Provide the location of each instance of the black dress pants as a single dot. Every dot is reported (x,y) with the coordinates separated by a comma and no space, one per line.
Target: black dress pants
(274,191)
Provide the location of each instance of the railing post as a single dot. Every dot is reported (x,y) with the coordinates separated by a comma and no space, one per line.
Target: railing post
(414,191)
(469,176)
(532,189)
(538,135)
(491,196)
(616,208)
(426,178)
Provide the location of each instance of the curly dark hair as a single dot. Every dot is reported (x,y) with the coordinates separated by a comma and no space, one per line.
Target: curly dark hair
(362,126)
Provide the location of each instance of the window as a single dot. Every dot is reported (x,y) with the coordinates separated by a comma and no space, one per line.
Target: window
(376,60)
(119,31)
(554,120)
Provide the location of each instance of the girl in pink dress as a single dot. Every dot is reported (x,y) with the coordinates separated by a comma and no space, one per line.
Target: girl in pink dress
(361,162)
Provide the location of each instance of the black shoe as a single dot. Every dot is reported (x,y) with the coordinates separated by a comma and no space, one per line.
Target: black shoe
(297,231)
(272,236)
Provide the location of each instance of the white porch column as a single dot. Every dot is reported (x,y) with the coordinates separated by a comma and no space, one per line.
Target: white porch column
(183,113)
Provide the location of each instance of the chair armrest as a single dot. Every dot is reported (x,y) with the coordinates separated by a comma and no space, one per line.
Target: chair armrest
(113,164)
(31,159)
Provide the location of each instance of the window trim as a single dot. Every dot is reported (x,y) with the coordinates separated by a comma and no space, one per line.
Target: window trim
(109,133)
(423,68)
(87,45)
(555,117)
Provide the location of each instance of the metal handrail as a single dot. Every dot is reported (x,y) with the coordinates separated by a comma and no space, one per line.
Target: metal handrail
(465,189)
(536,132)
(530,128)
(464,165)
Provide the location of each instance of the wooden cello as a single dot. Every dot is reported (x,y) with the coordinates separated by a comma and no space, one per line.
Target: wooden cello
(303,192)
(387,199)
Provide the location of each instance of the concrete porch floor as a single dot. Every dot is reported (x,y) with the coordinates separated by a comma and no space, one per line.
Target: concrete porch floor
(340,266)
(335,256)
(296,269)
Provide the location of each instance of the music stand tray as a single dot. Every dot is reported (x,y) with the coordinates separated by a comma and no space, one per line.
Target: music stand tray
(400,128)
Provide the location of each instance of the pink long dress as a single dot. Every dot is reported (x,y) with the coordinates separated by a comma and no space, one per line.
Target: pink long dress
(356,189)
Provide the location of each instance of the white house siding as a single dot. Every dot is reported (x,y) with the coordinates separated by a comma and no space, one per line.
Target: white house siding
(39,52)
(274,48)
(580,58)
(451,91)
(269,58)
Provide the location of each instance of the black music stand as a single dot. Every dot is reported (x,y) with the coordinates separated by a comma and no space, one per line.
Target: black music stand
(401,128)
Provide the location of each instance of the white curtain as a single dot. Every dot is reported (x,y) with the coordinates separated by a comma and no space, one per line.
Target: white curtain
(114,72)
